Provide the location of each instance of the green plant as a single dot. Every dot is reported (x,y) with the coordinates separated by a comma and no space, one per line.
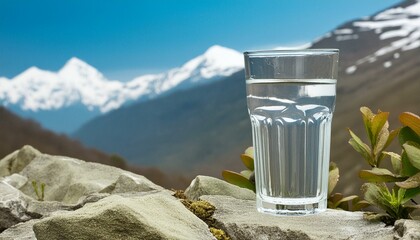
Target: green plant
(338,200)
(39,192)
(246,179)
(404,179)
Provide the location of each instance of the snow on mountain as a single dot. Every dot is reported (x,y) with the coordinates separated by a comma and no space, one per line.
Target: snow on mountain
(216,62)
(397,27)
(78,82)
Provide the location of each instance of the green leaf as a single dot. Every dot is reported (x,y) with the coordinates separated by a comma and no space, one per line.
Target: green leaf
(246,173)
(411,208)
(379,175)
(378,124)
(411,182)
(395,161)
(359,205)
(361,148)
(379,195)
(250,152)
(237,179)
(367,117)
(333,176)
(411,120)
(407,169)
(346,199)
(248,161)
(335,198)
(413,153)
(407,134)
(410,193)
(391,137)
(381,140)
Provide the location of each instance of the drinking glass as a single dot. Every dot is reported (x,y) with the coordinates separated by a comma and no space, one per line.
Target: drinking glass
(291,99)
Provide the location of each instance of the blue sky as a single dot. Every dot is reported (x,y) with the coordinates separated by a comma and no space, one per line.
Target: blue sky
(124,39)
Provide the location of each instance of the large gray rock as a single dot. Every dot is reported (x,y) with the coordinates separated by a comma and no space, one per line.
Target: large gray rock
(240,219)
(16,161)
(151,216)
(67,180)
(407,229)
(21,231)
(204,185)
(12,206)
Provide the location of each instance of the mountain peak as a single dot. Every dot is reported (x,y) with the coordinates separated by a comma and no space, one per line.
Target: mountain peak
(34,72)
(75,64)
(76,61)
(217,51)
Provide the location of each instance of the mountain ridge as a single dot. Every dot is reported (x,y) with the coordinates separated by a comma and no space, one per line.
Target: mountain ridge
(79,84)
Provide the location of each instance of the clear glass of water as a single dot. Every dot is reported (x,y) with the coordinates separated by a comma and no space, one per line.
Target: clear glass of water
(291,99)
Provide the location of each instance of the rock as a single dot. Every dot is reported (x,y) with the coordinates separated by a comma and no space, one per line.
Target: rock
(15,180)
(203,185)
(21,231)
(16,161)
(67,180)
(151,216)
(16,207)
(129,183)
(12,206)
(407,229)
(240,219)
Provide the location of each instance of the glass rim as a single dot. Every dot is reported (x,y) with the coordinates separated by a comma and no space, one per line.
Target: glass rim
(292,52)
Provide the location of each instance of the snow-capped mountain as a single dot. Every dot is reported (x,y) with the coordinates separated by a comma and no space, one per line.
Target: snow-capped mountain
(77,84)
(170,143)
(385,36)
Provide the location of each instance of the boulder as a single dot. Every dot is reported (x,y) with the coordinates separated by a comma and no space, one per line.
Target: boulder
(204,185)
(16,161)
(21,231)
(241,220)
(67,180)
(407,229)
(147,216)
(12,206)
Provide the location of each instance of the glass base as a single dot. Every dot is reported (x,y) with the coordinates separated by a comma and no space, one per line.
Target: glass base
(291,209)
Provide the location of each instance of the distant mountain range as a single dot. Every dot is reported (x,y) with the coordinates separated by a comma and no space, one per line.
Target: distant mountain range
(203,130)
(80,92)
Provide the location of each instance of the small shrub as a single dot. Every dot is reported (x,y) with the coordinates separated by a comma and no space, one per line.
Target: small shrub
(404,177)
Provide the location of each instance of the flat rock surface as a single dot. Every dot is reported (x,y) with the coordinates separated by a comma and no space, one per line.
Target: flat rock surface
(241,220)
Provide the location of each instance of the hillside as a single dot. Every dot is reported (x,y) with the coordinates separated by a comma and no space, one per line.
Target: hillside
(379,68)
(17,132)
(192,131)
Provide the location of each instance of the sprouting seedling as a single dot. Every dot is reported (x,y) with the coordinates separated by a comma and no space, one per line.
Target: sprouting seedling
(39,193)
